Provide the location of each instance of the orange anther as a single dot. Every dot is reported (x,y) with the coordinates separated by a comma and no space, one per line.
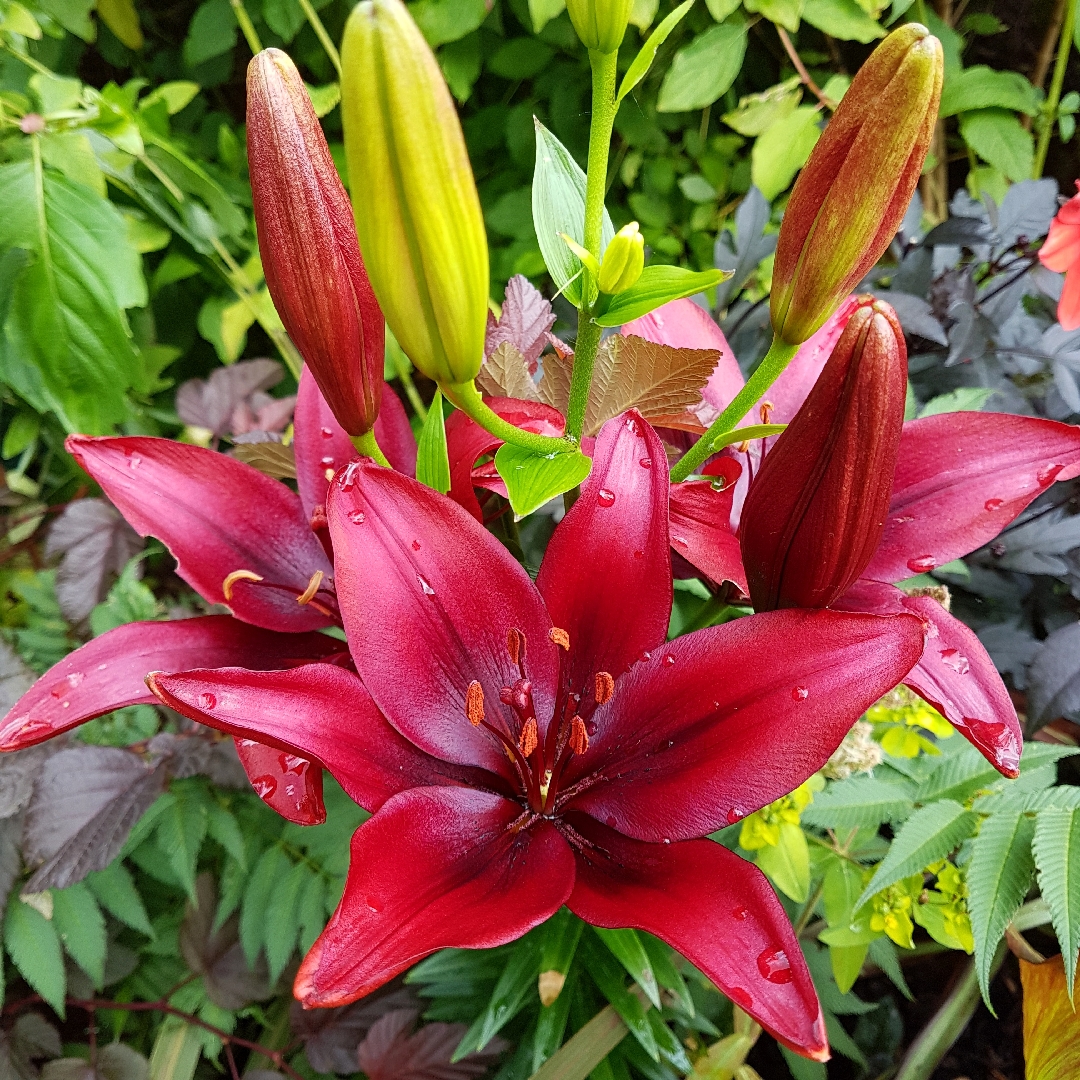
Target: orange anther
(579,737)
(765,411)
(474,703)
(560,637)
(515,644)
(605,687)
(234,577)
(743,447)
(528,740)
(312,588)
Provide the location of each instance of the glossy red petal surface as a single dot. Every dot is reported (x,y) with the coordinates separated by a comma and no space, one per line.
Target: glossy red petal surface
(722,721)
(700,522)
(428,597)
(717,910)
(394,433)
(606,575)
(320,443)
(109,672)
(434,868)
(955,674)
(215,515)
(960,479)
(289,785)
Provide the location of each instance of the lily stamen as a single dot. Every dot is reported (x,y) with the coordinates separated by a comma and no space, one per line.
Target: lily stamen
(234,577)
(312,588)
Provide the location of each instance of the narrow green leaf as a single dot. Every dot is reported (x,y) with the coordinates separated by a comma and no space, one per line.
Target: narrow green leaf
(283,918)
(432,461)
(559,940)
(551,1024)
(579,1056)
(272,866)
(928,835)
(81,928)
(115,890)
(608,975)
(507,999)
(32,943)
(671,1050)
(656,286)
(661,957)
(803,1068)
(859,801)
(534,479)
(1057,855)
(176,1052)
(647,54)
(626,947)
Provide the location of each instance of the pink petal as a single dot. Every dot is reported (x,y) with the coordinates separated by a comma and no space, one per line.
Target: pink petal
(215,515)
(394,433)
(716,909)
(428,597)
(955,674)
(289,785)
(701,526)
(960,479)
(1068,309)
(317,711)
(1061,249)
(717,724)
(434,868)
(606,575)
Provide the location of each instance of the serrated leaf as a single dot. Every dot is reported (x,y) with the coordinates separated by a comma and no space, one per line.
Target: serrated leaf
(432,462)
(534,479)
(928,835)
(1054,678)
(703,70)
(505,373)
(998,878)
(859,801)
(180,833)
(81,928)
(311,912)
(524,321)
(626,947)
(958,775)
(1057,855)
(641,63)
(981,87)
(32,943)
(272,866)
(283,918)
(223,827)
(883,953)
(658,285)
(998,137)
(116,893)
(389,1052)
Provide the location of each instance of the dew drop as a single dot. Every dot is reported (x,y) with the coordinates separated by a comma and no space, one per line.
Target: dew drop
(799,693)
(264,786)
(680,541)
(290,763)
(428,590)
(993,504)
(639,554)
(774,966)
(373,903)
(669,660)
(736,813)
(610,821)
(956,660)
(348,477)
(102,667)
(633,426)
(740,997)
(416,545)
(357,517)
(65,705)
(207,701)
(646,462)
(922,563)
(741,913)
(646,656)
(134,462)
(75,678)
(327,461)
(326,433)
(666,840)
(1047,473)
(605,498)
(902,520)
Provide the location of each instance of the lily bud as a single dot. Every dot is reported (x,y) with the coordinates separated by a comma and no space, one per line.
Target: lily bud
(623,260)
(415,201)
(852,194)
(600,23)
(816,511)
(307,240)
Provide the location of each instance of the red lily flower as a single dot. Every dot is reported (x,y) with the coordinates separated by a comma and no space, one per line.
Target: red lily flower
(217,516)
(1061,253)
(524,746)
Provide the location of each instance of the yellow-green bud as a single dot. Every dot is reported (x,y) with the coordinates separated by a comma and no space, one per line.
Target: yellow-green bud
(414,197)
(623,260)
(600,23)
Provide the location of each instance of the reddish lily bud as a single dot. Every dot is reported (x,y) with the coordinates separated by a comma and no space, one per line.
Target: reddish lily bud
(307,239)
(851,196)
(816,511)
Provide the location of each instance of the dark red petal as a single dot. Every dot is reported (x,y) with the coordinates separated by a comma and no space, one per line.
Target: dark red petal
(290,785)
(716,909)
(721,722)
(434,868)
(960,479)
(109,672)
(701,526)
(318,711)
(606,575)
(428,597)
(215,515)
(955,674)
(466,441)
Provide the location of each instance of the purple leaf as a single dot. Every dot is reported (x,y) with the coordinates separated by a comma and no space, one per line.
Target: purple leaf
(390,1052)
(210,403)
(526,318)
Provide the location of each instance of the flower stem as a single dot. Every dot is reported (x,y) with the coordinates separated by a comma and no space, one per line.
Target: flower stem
(769,370)
(1053,97)
(247,26)
(367,445)
(466,397)
(320,32)
(604,107)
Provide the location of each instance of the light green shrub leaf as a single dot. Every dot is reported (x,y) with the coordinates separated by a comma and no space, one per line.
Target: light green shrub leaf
(115,891)
(981,87)
(34,947)
(432,461)
(844,19)
(782,151)
(861,800)
(1057,855)
(998,137)
(703,70)
(81,928)
(534,479)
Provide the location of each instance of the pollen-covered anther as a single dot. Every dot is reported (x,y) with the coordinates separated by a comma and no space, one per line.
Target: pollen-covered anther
(743,447)
(604,687)
(515,644)
(312,588)
(765,411)
(234,577)
(527,741)
(560,637)
(579,737)
(474,703)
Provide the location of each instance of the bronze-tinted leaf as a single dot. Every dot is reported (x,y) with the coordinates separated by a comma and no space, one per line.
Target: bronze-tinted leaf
(30,1039)
(1051,1027)
(391,1052)
(525,320)
(209,403)
(270,457)
(505,373)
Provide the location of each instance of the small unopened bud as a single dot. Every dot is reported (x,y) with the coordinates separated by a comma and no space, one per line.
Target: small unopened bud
(815,513)
(416,205)
(623,260)
(853,192)
(550,986)
(600,24)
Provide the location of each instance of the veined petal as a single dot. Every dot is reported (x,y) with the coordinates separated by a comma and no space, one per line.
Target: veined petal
(721,722)
(954,674)
(108,672)
(606,575)
(434,868)
(319,712)
(716,909)
(701,525)
(290,785)
(960,479)
(428,597)
(216,515)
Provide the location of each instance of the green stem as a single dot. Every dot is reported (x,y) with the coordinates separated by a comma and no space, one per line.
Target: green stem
(367,445)
(1053,97)
(769,370)
(466,397)
(604,108)
(312,17)
(247,26)
(808,910)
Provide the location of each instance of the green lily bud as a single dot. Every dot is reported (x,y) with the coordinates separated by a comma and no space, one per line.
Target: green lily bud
(851,195)
(600,23)
(414,198)
(623,260)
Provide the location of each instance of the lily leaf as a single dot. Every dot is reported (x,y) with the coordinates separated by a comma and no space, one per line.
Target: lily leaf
(432,461)
(656,286)
(643,61)
(534,479)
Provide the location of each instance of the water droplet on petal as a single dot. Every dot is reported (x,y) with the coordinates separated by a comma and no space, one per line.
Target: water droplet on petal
(135,461)
(207,701)
(669,660)
(264,786)
(291,763)
(605,498)
(102,667)
(680,541)
(632,425)
(799,693)
(956,660)
(416,545)
(774,966)
(741,998)
(373,903)
(639,554)
(610,821)
(1047,473)
(326,433)
(327,461)
(736,813)
(646,462)
(646,656)
(922,563)
(993,504)
(357,517)
(902,520)
(741,913)
(428,590)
